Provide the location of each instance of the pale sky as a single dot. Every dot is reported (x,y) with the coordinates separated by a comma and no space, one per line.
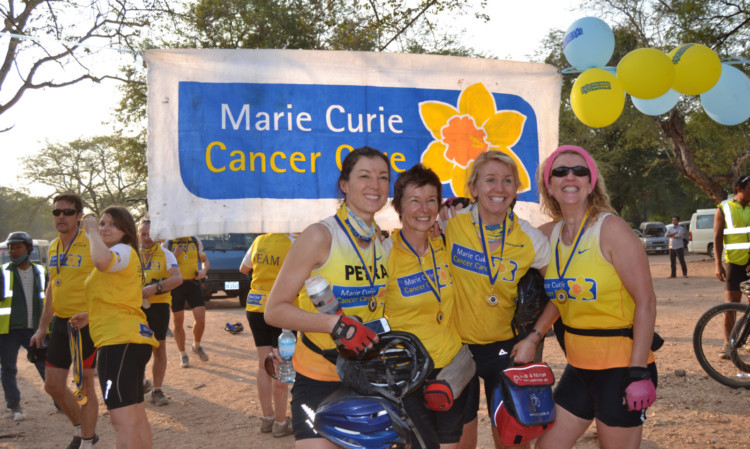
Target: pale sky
(514,32)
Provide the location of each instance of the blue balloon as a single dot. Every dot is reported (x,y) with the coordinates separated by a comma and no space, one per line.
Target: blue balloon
(589,42)
(728,102)
(659,105)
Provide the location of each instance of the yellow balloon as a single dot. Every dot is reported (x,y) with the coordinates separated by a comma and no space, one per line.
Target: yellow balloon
(597,98)
(646,73)
(697,69)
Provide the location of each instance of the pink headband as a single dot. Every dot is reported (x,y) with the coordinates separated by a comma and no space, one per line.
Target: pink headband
(578,150)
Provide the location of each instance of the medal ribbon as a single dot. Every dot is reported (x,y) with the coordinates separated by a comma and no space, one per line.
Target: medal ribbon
(370,277)
(485,249)
(65,256)
(76,352)
(436,287)
(578,236)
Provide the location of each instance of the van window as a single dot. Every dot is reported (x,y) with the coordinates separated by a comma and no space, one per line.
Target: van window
(655,232)
(704,221)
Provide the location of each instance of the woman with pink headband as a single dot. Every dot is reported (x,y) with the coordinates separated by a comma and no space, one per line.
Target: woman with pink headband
(599,283)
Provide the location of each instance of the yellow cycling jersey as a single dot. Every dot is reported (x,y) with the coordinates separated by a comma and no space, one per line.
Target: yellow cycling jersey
(348,278)
(590,295)
(265,256)
(479,319)
(115,299)
(188,258)
(68,269)
(157,261)
(420,298)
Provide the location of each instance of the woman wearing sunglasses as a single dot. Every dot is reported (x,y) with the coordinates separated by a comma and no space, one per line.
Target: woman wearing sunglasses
(599,282)
(489,230)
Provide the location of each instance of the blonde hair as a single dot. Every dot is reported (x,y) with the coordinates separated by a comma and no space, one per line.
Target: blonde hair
(598,199)
(486,157)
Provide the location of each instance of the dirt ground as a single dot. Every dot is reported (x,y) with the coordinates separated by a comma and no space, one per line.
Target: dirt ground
(214,404)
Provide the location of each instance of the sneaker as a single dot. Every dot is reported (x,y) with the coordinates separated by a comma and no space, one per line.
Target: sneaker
(147,386)
(169,333)
(158,398)
(185,361)
(16,414)
(283,429)
(201,353)
(266,424)
(76,443)
(724,352)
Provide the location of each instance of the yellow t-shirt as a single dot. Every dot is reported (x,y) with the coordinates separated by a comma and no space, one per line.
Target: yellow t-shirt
(157,262)
(192,253)
(115,299)
(346,274)
(68,269)
(594,298)
(411,304)
(265,256)
(477,321)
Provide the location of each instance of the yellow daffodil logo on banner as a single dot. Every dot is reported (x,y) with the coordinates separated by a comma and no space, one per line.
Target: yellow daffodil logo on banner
(580,289)
(462,134)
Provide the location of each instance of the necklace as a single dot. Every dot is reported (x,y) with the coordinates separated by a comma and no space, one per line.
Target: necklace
(64,257)
(561,295)
(434,284)
(491,299)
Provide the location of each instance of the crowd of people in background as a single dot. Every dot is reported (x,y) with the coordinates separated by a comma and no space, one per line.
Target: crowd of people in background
(449,276)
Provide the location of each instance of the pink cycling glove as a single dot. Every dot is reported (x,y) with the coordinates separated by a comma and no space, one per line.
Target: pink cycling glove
(640,391)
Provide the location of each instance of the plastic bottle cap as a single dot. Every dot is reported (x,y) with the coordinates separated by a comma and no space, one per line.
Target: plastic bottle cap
(315,285)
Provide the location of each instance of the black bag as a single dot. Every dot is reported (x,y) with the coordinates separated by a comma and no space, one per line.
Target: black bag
(531,301)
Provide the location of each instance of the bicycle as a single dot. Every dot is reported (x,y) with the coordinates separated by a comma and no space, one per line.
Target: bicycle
(709,338)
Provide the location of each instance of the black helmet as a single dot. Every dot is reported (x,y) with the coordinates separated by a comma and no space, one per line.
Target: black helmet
(400,367)
(21,237)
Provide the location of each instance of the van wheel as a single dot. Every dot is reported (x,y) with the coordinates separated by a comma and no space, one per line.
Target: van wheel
(710,249)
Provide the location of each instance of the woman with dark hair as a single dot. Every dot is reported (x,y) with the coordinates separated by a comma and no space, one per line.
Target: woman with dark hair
(600,285)
(117,323)
(344,249)
(420,300)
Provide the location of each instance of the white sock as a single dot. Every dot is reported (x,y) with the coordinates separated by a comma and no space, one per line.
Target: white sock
(77,430)
(183,353)
(87,444)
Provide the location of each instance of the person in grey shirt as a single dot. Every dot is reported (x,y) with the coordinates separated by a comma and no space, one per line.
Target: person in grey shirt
(676,235)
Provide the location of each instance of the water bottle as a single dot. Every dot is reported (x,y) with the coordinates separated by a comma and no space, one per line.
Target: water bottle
(287,342)
(321,295)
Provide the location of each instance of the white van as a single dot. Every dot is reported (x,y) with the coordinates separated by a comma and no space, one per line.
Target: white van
(702,232)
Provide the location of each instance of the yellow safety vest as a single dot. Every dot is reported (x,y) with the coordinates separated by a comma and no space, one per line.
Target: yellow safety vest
(736,232)
(5,304)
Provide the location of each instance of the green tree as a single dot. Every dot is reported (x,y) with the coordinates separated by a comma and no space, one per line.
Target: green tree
(92,168)
(21,212)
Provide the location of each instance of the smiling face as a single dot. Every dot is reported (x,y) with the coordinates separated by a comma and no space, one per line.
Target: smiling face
(111,234)
(569,189)
(419,207)
(366,190)
(495,189)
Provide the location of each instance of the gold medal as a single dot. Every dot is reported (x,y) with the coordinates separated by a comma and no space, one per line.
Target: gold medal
(58,282)
(372,305)
(561,296)
(440,317)
(492,299)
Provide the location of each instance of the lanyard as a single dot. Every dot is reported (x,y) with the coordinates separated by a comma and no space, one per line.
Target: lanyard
(485,249)
(370,278)
(572,253)
(65,256)
(436,287)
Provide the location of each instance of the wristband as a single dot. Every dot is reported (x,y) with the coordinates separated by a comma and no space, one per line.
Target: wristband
(159,287)
(538,334)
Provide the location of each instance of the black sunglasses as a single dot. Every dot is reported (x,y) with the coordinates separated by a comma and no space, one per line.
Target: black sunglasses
(578,170)
(66,212)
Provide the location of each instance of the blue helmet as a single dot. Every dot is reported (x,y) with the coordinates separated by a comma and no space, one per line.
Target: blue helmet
(353,421)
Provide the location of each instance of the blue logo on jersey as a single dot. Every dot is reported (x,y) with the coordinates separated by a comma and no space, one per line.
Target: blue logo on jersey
(585,289)
(350,297)
(474,261)
(415,284)
(70,260)
(146,331)
(255,299)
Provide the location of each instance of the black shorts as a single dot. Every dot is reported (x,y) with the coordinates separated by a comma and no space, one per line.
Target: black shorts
(490,365)
(311,393)
(190,292)
(120,370)
(736,274)
(590,394)
(263,333)
(58,350)
(158,320)
(436,428)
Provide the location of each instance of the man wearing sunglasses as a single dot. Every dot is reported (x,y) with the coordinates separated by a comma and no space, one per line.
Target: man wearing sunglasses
(732,237)
(69,266)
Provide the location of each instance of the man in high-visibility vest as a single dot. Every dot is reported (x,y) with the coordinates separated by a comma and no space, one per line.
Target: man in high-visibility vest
(23,284)
(732,236)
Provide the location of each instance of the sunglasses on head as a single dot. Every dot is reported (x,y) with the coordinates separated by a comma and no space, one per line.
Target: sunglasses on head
(66,212)
(578,170)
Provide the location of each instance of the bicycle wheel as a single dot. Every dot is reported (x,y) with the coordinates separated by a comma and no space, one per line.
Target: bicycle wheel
(740,356)
(708,340)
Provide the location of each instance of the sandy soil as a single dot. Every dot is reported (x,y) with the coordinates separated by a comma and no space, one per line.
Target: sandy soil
(214,404)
